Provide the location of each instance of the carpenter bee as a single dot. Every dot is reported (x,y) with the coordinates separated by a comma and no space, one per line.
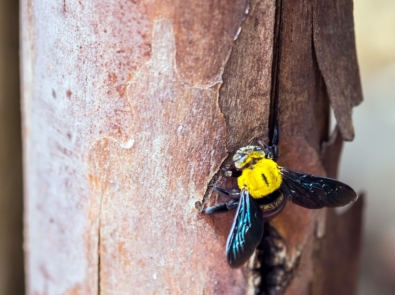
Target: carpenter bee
(264,189)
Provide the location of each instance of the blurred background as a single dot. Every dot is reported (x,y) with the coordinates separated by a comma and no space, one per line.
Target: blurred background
(368,163)
(11,254)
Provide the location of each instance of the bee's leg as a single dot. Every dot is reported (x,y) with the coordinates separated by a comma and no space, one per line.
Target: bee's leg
(234,193)
(275,140)
(276,134)
(271,150)
(222,208)
(231,172)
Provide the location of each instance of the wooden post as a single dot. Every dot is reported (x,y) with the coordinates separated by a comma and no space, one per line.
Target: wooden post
(129,109)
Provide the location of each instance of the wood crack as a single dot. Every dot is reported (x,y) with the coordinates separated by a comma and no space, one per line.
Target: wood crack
(277,42)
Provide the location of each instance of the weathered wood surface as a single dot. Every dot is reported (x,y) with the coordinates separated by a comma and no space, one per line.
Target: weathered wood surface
(314,52)
(11,195)
(129,109)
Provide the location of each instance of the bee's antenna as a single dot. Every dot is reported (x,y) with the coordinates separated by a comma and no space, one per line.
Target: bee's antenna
(252,139)
(263,144)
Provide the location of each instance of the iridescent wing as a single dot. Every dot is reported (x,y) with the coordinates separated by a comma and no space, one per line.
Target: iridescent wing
(246,232)
(315,192)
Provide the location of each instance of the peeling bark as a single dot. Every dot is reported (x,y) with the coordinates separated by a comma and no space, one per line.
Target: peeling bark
(129,111)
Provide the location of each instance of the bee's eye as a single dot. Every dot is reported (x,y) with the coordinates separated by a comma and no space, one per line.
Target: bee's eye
(238,156)
(239,160)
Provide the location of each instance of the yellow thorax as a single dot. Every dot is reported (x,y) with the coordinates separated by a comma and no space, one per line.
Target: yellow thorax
(260,175)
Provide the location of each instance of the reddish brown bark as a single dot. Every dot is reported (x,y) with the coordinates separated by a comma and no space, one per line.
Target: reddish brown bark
(129,110)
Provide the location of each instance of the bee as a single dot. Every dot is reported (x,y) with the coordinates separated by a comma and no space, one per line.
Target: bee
(264,189)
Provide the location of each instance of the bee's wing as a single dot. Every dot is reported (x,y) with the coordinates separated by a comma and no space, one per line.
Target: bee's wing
(246,232)
(315,192)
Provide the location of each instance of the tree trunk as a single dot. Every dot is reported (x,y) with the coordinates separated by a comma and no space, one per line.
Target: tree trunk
(129,111)
(11,195)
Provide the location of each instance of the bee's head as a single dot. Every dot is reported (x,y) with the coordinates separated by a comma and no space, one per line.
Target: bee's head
(247,155)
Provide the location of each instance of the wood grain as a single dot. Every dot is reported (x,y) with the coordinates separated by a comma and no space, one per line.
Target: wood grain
(122,133)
